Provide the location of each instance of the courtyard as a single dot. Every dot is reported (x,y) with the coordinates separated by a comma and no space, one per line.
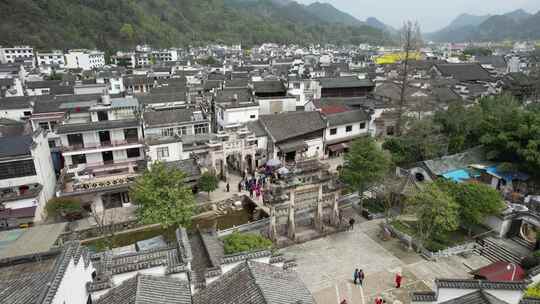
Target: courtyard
(326,266)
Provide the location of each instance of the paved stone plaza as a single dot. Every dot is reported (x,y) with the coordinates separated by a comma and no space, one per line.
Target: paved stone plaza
(326,266)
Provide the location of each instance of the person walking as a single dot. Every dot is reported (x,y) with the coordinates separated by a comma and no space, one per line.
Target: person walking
(228,187)
(355,276)
(239,186)
(361,277)
(251,191)
(351,224)
(399,279)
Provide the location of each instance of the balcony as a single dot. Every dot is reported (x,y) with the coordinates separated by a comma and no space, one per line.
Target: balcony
(20,192)
(102,145)
(100,176)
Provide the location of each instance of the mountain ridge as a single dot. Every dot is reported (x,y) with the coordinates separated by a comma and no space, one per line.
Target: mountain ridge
(121,24)
(517,24)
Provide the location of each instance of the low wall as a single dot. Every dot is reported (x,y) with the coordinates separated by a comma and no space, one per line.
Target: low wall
(253,226)
(411,243)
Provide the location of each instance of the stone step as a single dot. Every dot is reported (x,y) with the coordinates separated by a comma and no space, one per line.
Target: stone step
(495,252)
(523,243)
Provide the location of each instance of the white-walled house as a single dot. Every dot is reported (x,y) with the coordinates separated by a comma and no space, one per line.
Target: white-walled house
(102,147)
(16,54)
(84,59)
(472,291)
(27,178)
(272,97)
(51,276)
(236,113)
(294,135)
(234,106)
(342,128)
(16,108)
(53,58)
(164,131)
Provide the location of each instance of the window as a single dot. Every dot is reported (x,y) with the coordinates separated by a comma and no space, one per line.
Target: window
(296,85)
(201,129)
(252,116)
(102,116)
(167,132)
(348,129)
(131,135)
(134,152)
(182,130)
(27,113)
(362,125)
(333,131)
(52,144)
(162,153)
(78,159)
(17,169)
(44,125)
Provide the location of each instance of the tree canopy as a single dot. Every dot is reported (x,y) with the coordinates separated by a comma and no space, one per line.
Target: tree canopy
(163,198)
(436,211)
(208,182)
(365,164)
(476,201)
(421,140)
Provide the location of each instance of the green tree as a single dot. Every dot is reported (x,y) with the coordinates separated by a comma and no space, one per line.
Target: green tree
(242,242)
(128,32)
(163,198)
(422,140)
(63,207)
(208,183)
(476,201)
(511,133)
(462,126)
(436,211)
(365,164)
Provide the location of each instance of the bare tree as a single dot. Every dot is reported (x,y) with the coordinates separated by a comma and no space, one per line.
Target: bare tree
(105,223)
(411,40)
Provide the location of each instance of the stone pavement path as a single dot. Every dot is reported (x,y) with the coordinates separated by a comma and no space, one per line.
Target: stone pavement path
(326,266)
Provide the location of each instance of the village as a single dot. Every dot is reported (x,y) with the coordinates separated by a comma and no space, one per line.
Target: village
(272,174)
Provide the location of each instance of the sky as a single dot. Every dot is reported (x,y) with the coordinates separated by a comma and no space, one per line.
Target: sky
(431,14)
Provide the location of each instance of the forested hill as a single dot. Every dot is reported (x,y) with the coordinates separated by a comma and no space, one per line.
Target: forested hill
(114,24)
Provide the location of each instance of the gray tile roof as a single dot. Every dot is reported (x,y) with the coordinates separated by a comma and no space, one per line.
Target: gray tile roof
(37,284)
(228,95)
(347,117)
(24,289)
(257,128)
(345,82)
(272,86)
(97,125)
(168,117)
(480,284)
(163,96)
(16,145)
(423,296)
(464,71)
(188,166)
(477,297)
(256,283)
(147,289)
(284,126)
(11,103)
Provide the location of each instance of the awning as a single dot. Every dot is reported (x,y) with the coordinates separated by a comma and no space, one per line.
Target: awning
(294,146)
(338,147)
(27,212)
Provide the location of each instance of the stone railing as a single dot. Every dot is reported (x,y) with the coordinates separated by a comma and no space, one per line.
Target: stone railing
(411,243)
(253,226)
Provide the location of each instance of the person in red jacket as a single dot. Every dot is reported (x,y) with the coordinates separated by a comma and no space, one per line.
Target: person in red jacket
(399,278)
